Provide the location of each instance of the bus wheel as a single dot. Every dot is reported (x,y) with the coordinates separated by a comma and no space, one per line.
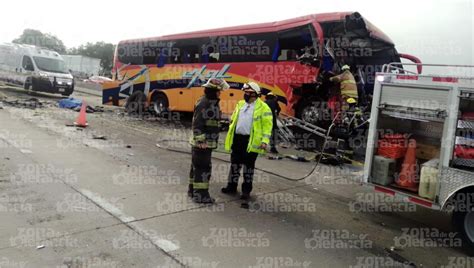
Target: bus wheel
(135,104)
(313,111)
(160,104)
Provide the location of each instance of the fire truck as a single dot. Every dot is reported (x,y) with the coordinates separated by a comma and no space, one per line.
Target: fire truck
(421,141)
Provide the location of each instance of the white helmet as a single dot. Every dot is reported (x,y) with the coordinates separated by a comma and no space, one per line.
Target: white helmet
(216,83)
(345,67)
(252,85)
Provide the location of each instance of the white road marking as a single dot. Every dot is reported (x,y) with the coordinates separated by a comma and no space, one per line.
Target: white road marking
(106,205)
(164,244)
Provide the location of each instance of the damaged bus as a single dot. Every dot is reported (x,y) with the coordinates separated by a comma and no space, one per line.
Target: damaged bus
(291,58)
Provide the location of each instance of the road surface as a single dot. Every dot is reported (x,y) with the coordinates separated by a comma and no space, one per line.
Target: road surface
(111,195)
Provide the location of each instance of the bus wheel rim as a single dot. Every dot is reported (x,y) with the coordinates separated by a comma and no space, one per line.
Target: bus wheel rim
(469,225)
(158,106)
(311,114)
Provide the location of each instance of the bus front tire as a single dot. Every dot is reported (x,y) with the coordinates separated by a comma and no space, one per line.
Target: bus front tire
(314,111)
(135,105)
(160,105)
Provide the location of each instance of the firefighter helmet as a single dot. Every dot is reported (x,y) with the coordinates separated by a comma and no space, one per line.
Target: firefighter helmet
(216,83)
(351,100)
(252,86)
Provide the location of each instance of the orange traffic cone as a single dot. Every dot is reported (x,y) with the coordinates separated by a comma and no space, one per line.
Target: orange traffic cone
(81,120)
(408,177)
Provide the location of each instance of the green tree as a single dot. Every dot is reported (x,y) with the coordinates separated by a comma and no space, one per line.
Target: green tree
(37,38)
(100,50)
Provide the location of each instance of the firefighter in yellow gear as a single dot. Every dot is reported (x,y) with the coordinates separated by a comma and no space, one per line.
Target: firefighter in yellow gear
(347,83)
(249,134)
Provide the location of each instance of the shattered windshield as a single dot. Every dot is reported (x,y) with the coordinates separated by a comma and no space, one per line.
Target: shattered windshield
(50,65)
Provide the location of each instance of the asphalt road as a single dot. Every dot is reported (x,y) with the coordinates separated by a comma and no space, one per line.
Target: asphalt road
(108,196)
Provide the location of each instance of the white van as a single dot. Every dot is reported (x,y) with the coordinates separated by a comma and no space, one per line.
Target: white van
(35,69)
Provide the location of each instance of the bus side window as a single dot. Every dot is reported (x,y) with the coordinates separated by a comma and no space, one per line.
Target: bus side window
(295,42)
(187,50)
(130,53)
(213,54)
(287,54)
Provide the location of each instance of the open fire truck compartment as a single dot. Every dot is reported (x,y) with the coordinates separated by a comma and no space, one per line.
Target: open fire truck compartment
(434,111)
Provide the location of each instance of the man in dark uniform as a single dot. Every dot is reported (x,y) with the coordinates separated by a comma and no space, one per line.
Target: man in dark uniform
(205,128)
(272,102)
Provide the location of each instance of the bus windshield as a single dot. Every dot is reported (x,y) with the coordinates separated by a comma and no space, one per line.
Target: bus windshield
(50,65)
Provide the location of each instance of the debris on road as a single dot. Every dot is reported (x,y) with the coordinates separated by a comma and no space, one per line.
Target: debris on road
(275,157)
(90,109)
(297,158)
(99,137)
(40,247)
(26,151)
(128,146)
(31,103)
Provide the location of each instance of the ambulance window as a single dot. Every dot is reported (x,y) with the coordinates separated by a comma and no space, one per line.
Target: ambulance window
(28,63)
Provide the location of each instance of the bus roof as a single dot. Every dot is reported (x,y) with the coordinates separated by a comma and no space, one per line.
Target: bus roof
(272,26)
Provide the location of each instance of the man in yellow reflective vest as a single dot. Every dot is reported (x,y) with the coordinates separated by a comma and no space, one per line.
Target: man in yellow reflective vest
(249,135)
(205,128)
(347,83)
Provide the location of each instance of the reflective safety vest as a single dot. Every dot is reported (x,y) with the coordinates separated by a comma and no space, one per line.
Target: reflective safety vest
(261,126)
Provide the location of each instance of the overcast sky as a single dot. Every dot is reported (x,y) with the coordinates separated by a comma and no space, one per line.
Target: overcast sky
(437,31)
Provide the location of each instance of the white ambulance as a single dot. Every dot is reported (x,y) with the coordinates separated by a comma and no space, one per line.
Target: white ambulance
(35,68)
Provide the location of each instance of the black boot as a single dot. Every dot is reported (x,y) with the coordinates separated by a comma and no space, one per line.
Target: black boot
(229,189)
(202,197)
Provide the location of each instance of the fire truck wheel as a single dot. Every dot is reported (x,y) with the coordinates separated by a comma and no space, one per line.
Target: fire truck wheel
(135,105)
(464,223)
(160,104)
